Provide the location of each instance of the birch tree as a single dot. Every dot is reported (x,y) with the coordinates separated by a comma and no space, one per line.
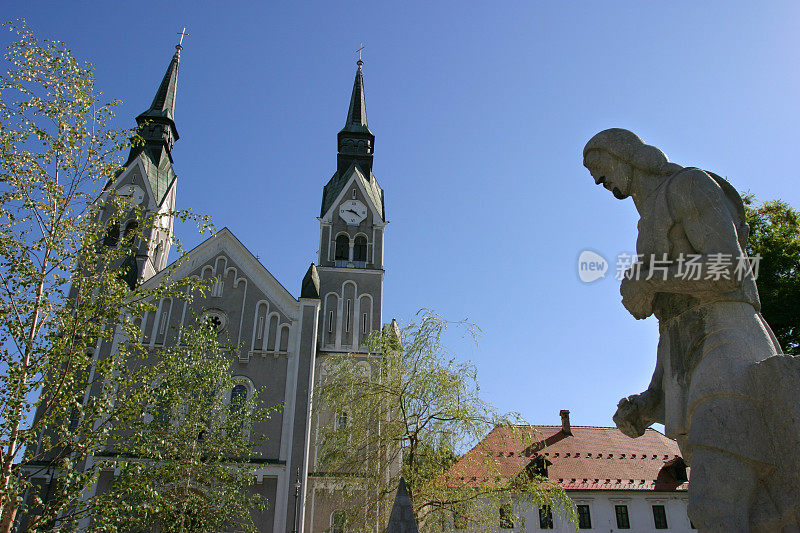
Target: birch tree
(65,413)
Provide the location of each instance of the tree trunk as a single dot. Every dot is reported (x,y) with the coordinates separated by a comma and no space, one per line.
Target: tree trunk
(8,516)
(10,509)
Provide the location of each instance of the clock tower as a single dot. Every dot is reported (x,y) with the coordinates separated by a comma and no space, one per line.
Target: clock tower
(352,222)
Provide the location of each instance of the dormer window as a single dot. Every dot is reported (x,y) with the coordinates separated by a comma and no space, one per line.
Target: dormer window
(538,467)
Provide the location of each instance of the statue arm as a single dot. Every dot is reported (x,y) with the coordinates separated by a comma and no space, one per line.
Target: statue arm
(638,412)
(655,391)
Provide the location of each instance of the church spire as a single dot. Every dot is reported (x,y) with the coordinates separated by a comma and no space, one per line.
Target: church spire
(164,102)
(356,141)
(357,113)
(157,124)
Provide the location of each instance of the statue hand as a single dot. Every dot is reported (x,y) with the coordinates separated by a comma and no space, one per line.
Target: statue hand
(637,297)
(632,416)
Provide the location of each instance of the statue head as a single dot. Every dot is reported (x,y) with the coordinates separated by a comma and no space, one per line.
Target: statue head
(614,155)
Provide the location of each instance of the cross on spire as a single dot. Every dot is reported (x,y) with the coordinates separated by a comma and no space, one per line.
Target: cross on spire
(360,62)
(180,41)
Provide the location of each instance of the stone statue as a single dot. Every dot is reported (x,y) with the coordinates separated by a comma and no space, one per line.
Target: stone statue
(718,363)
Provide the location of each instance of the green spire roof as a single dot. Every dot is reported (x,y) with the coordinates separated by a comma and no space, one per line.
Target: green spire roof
(356,146)
(157,129)
(163,105)
(357,113)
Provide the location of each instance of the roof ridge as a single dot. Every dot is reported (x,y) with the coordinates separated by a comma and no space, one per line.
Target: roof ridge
(584,427)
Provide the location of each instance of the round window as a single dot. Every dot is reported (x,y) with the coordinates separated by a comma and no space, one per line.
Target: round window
(215,319)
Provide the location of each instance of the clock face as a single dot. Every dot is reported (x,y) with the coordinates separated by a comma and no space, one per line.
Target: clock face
(134,191)
(353,212)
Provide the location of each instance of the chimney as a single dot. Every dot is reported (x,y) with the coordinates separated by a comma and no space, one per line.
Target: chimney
(566,429)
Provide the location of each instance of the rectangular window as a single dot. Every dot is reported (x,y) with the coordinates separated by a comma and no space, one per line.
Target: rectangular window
(584,517)
(364,323)
(330,322)
(545,517)
(660,517)
(506,522)
(163,326)
(623,522)
(347,317)
(260,328)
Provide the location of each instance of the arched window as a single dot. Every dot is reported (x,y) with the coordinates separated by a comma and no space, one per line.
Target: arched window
(331,314)
(161,420)
(338,521)
(360,251)
(238,397)
(157,255)
(217,287)
(363,370)
(272,337)
(237,403)
(112,235)
(129,270)
(130,230)
(342,248)
(283,345)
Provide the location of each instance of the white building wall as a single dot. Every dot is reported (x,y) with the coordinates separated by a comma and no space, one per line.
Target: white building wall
(603,515)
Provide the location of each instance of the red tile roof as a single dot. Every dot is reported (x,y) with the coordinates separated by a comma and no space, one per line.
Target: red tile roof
(592,458)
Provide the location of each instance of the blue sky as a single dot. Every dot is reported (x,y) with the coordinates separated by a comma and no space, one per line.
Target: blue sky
(480,112)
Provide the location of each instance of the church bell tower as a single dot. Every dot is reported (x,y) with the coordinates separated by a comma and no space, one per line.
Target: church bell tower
(352,222)
(149,179)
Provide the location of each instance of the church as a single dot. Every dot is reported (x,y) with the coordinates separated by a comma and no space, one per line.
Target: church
(281,338)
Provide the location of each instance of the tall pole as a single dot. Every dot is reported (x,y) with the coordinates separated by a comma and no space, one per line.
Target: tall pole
(297,486)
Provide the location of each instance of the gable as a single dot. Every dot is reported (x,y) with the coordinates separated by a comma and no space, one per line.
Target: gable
(156,181)
(134,174)
(338,184)
(158,177)
(224,242)
(371,192)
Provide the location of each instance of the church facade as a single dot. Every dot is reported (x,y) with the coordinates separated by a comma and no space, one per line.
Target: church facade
(281,339)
